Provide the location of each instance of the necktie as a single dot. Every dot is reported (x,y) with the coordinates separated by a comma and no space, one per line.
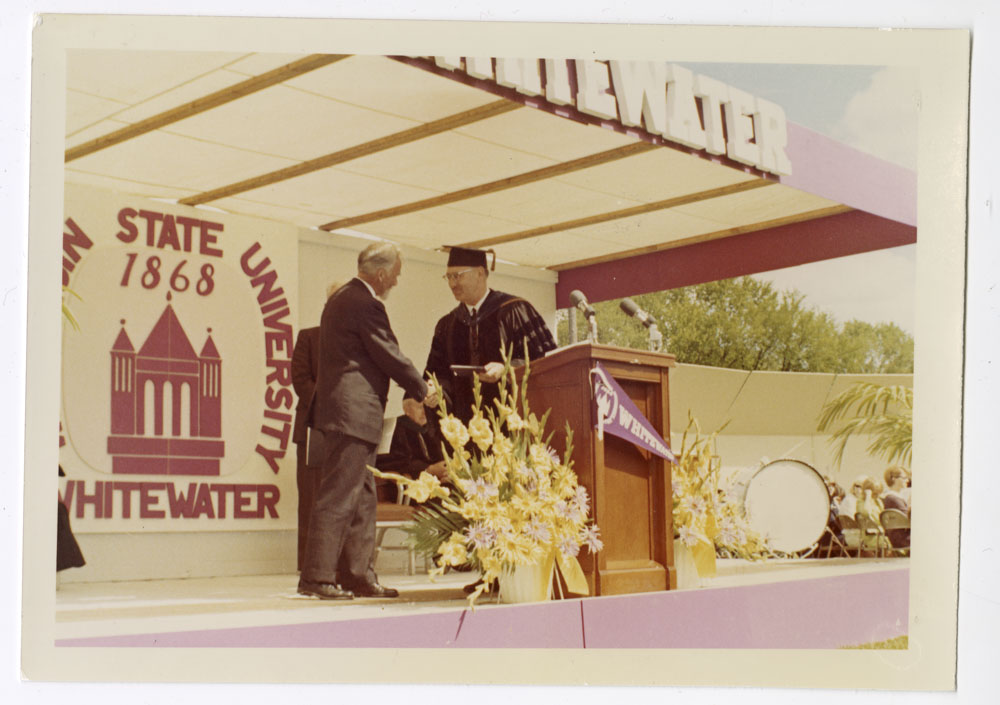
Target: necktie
(473,338)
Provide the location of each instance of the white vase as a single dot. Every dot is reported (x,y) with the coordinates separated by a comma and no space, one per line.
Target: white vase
(685,567)
(527,583)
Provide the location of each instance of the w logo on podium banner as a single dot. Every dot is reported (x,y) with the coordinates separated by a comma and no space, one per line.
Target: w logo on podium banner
(618,415)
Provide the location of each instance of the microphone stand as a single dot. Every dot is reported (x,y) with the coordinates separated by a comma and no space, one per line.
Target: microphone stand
(592,333)
(655,338)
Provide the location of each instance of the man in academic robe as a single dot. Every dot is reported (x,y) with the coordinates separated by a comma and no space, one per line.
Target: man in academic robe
(485,323)
(358,355)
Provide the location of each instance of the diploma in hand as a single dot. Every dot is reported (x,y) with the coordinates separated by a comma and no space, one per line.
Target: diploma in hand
(466,370)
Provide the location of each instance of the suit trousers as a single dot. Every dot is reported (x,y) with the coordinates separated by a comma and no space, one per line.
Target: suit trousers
(340,546)
(305,481)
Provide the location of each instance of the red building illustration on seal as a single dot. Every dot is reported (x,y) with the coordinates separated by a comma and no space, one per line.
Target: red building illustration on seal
(166,403)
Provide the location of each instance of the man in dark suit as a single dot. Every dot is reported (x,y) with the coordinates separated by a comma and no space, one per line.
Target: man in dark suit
(305,363)
(305,369)
(358,355)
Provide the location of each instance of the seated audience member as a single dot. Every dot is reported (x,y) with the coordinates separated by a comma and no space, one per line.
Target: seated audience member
(870,504)
(896,479)
(905,492)
(895,483)
(849,504)
(413,449)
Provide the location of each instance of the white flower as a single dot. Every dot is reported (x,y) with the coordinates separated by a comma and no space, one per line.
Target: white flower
(480,536)
(568,510)
(569,548)
(695,504)
(538,531)
(479,489)
(687,536)
(728,536)
(591,538)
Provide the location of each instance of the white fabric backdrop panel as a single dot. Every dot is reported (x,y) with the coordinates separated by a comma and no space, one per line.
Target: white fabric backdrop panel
(177,401)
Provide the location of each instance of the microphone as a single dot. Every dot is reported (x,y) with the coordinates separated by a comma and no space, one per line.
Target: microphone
(577,298)
(631,308)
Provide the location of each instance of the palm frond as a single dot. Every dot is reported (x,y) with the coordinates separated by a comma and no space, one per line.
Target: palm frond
(67,314)
(432,526)
(883,412)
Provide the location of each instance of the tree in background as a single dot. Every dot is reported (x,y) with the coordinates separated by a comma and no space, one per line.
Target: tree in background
(875,349)
(744,323)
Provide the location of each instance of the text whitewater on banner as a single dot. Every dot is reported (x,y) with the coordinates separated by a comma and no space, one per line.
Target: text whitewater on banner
(618,415)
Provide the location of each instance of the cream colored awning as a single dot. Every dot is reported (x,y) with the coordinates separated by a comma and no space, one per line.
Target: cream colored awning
(382,147)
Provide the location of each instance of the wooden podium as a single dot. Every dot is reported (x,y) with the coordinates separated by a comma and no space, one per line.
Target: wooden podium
(630,489)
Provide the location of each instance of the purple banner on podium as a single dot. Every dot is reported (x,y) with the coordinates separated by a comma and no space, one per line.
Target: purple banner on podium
(618,415)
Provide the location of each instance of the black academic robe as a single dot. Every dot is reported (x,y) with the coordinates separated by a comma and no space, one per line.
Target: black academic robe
(503,322)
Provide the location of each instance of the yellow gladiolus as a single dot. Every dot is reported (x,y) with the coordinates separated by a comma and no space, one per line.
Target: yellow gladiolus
(453,551)
(454,432)
(424,487)
(480,432)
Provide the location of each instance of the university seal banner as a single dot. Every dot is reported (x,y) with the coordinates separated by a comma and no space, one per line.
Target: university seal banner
(177,401)
(618,415)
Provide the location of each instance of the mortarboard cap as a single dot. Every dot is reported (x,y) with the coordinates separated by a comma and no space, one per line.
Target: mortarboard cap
(467,257)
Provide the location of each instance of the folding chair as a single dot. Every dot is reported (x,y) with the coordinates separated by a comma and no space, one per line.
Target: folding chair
(852,536)
(871,535)
(897,528)
(394,515)
(834,541)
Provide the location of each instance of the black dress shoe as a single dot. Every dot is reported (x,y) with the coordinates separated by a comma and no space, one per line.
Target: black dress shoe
(324,591)
(373,590)
(471,587)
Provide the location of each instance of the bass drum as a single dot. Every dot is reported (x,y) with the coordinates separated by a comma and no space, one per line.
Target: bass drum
(787,502)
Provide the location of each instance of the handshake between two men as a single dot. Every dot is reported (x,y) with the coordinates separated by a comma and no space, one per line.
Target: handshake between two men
(417,409)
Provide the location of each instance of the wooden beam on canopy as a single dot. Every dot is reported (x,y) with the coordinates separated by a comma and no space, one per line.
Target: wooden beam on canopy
(623,213)
(528,177)
(361,150)
(705,237)
(772,247)
(200,105)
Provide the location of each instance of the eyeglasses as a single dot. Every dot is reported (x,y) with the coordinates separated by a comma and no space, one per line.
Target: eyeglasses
(452,277)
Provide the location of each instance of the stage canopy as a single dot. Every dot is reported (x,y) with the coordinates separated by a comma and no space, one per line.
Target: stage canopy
(576,166)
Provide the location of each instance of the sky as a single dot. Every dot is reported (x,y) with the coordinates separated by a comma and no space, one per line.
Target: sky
(873,109)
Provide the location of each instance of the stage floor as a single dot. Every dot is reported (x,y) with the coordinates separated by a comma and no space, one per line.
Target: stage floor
(747,605)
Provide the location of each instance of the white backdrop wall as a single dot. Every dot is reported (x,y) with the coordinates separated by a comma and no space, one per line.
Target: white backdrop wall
(414,306)
(770,415)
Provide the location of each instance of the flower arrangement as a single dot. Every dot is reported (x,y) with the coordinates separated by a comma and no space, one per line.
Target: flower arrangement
(509,499)
(708,514)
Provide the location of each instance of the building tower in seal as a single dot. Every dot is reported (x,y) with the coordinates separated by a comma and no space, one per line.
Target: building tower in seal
(166,403)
